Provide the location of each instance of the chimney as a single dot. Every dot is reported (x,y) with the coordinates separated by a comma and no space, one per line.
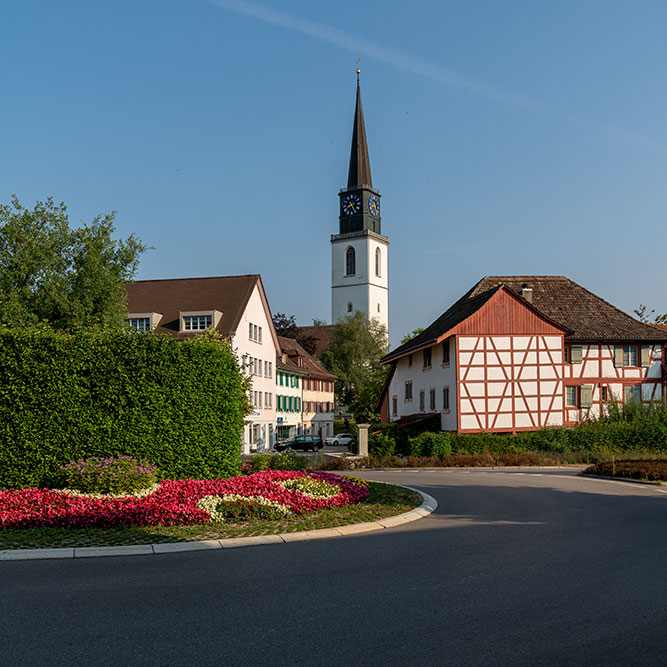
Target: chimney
(527,293)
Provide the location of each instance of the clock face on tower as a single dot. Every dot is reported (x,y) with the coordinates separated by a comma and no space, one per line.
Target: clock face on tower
(374,205)
(351,204)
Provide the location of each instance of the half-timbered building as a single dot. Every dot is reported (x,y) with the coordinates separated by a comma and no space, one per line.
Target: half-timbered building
(521,353)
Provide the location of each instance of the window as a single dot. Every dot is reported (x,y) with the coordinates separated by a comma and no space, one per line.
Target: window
(445,399)
(259,399)
(632,394)
(445,353)
(350,262)
(409,360)
(349,306)
(570,397)
(394,405)
(266,369)
(267,400)
(604,394)
(431,405)
(197,322)
(270,369)
(566,355)
(625,355)
(427,357)
(378,264)
(140,323)
(254,333)
(421,400)
(378,307)
(408,391)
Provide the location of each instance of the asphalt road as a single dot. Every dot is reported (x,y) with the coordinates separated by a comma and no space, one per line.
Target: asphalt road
(532,568)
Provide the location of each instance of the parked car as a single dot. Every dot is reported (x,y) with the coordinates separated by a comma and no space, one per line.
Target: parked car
(341,439)
(303,442)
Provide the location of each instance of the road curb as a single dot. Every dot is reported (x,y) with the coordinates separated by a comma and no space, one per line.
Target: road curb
(429,504)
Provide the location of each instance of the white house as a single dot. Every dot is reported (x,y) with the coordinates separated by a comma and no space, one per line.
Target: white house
(237,307)
(523,352)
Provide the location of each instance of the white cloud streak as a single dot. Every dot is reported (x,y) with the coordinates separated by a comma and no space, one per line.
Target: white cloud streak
(424,68)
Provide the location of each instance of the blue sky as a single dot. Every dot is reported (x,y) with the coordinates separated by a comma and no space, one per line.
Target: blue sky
(522,137)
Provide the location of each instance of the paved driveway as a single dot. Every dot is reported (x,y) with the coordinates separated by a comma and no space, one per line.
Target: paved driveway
(514,568)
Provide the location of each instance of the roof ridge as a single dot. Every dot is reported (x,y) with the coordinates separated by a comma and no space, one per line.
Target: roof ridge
(164,280)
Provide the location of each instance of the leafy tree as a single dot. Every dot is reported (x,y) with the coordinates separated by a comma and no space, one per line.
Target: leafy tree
(644,315)
(287,327)
(408,337)
(60,277)
(355,349)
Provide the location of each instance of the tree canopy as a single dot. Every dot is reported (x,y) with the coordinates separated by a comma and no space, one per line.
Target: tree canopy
(355,349)
(64,278)
(413,334)
(644,315)
(287,327)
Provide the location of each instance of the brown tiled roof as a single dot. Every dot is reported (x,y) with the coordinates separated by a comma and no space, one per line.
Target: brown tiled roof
(583,314)
(572,306)
(659,326)
(321,335)
(312,367)
(289,366)
(227,294)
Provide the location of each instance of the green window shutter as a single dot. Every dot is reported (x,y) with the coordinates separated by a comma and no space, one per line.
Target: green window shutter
(586,395)
(646,356)
(575,354)
(618,356)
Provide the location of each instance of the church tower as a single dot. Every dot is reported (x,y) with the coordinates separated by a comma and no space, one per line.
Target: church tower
(359,266)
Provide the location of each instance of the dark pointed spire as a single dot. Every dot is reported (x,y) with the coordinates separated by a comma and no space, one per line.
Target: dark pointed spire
(360,164)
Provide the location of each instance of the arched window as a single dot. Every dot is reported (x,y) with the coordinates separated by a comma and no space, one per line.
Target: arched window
(350,262)
(377,262)
(349,306)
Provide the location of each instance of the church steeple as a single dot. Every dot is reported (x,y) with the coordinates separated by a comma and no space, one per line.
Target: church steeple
(359,252)
(360,164)
(359,202)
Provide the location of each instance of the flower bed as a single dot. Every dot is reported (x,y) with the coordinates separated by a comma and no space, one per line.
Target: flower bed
(176,502)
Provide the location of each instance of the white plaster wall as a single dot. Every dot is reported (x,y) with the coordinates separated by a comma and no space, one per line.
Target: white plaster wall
(437,377)
(364,289)
(255,313)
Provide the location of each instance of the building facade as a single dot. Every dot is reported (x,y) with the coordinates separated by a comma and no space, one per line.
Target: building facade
(317,389)
(236,307)
(524,352)
(359,252)
(289,398)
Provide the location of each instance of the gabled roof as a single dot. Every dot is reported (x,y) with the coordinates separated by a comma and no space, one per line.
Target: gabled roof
(227,294)
(456,314)
(659,326)
(581,314)
(585,314)
(294,351)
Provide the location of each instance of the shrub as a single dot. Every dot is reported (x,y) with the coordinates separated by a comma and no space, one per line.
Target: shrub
(638,469)
(288,460)
(120,475)
(430,444)
(381,444)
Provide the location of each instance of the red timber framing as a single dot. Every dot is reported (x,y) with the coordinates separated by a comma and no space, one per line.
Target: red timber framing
(598,370)
(509,367)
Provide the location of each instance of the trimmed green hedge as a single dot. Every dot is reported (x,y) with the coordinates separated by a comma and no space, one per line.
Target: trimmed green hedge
(626,429)
(64,397)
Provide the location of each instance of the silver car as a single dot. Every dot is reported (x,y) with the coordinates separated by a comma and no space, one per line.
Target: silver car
(341,439)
